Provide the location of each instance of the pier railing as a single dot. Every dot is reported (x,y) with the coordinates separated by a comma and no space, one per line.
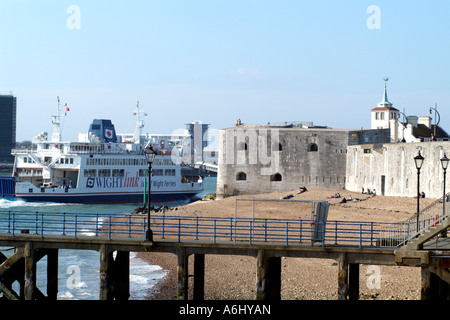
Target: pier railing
(182,228)
(397,234)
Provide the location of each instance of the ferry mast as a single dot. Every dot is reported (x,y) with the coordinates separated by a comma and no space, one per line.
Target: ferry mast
(139,124)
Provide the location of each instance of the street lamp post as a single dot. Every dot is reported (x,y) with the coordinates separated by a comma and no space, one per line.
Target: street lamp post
(419,161)
(444,163)
(150,156)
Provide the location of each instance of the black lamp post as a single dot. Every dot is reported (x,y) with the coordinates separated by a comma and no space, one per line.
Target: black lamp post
(150,156)
(419,161)
(444,163)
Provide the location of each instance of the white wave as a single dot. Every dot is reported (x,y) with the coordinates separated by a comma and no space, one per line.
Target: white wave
(143,277)
(65,296)
(79,285)
(139,279)
(15,203)
(84,294)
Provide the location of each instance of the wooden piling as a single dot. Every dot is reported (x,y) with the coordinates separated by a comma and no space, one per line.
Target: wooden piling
(30,272)
(182,273)
(52,274)
(199,277)
(122,275)
(353,281)
(268,277)
(106,277)
(343,278)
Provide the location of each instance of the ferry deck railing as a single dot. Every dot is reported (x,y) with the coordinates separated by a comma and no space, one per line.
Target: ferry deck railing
(250,231)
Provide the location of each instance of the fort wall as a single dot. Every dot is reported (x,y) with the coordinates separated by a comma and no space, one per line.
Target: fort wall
(260,159)
(390,168)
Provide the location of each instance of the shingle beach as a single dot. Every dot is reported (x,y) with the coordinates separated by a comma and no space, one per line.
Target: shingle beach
(234,277)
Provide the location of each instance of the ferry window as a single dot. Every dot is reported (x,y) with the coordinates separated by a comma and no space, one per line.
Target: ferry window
(118,173)
(157,172)
(90,173)
(143,172)
(169,172)
(104,172)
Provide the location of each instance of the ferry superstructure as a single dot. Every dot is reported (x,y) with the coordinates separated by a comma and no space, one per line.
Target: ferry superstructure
(100,170)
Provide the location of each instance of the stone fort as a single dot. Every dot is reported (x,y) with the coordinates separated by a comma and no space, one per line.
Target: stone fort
(283,157)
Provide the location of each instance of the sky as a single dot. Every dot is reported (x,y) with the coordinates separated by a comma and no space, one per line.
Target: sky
(215,61)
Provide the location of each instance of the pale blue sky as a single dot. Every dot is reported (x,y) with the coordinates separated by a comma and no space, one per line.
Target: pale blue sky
(215,61)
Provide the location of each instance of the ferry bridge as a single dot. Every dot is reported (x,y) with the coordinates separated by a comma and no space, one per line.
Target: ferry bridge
(417,243)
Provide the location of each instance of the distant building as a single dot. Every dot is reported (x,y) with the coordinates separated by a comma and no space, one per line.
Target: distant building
(411,129)
(199,139)
(8,109)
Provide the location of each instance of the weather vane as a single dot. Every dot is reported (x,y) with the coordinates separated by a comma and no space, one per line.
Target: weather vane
(385,80)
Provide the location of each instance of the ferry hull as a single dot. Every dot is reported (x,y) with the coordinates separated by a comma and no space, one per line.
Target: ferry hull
(108,198)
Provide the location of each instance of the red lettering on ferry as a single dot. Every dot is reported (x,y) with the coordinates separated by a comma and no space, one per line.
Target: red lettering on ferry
(131,182)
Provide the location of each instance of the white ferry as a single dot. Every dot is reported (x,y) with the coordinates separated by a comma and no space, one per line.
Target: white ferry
(99,170)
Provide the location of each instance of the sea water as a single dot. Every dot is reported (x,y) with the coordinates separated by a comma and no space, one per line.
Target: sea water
(78,270)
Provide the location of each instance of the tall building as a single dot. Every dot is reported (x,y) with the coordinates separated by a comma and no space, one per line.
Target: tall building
(199,139)
(7,127)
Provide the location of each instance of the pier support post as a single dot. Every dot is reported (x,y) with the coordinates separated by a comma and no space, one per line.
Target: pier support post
(353,281)
(433,287)
(30,272)
(52,274)
(429,285)
(114,274)
(182,272)
(122,275)
(343,278)
(268,277)
(199,277)
(106,266)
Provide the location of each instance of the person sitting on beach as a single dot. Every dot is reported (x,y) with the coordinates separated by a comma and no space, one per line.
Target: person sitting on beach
(337,195)
(287,197)
(343,200)
(302,189)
